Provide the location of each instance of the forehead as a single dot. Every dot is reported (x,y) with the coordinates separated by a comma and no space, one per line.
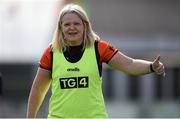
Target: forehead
(68,17)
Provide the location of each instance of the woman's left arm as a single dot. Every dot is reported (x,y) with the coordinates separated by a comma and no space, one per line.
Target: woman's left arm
(136,66)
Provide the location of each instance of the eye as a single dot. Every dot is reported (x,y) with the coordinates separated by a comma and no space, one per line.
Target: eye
(66,24)
(77,23)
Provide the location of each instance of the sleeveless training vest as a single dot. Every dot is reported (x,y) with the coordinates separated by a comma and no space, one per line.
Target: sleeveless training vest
(76,87)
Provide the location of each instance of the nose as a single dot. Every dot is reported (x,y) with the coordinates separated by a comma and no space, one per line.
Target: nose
(71,26)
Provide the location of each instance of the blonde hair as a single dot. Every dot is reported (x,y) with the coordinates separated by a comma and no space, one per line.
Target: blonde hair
(89,37)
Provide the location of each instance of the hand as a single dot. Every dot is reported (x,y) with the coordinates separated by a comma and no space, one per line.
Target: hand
(158,67)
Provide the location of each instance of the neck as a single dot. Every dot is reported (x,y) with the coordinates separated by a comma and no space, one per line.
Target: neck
(75,47)
(75,43)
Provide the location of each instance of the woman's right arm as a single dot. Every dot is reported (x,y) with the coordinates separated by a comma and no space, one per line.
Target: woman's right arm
(38,91)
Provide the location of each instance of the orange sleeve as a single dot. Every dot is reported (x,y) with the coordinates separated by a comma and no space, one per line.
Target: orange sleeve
(106,51)
(45,60)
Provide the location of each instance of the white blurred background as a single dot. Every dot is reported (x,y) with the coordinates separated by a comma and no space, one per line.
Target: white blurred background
(138,28)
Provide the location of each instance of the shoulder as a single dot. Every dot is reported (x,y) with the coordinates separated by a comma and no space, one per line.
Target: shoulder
(106,50)
(102,45)
(102,42)
(45,60)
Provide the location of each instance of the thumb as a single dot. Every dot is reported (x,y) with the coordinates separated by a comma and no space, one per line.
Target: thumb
(156,61)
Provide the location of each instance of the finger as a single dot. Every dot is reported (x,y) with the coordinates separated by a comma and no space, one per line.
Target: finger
(156,62)
(157,58)
(161,71)
(160,67)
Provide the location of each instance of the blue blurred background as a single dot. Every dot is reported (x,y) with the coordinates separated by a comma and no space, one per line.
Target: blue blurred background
(138,28)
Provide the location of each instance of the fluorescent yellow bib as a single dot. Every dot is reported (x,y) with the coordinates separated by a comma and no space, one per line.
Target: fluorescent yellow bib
(76,88)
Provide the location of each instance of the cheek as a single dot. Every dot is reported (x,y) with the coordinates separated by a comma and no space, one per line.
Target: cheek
(64,31)
(82,30)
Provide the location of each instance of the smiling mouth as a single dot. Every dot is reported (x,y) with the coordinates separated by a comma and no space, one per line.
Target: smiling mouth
(73,33)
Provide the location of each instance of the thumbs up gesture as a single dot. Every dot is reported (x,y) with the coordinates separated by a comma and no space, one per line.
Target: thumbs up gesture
(158,66)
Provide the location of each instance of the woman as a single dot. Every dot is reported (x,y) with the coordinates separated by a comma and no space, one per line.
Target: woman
(72,64)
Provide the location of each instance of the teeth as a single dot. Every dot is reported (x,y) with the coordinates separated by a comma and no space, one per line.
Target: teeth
(72,33)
